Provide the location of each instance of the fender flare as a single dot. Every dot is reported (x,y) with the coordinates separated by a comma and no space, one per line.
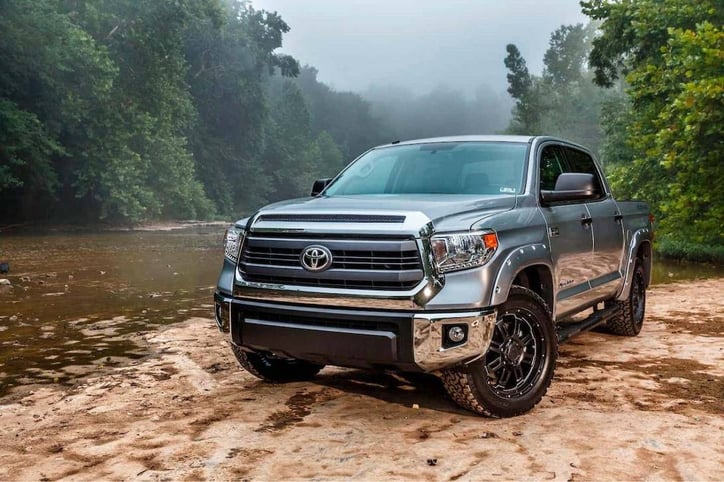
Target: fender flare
(517,260)
(639,238)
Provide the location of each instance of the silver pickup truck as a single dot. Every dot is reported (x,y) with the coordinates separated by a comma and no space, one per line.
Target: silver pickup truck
(470,257)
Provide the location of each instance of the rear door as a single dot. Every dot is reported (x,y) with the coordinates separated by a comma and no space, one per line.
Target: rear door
(569,234)
(606,228)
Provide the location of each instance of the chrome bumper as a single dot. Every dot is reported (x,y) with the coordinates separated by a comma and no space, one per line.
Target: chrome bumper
(429,337)
(418,340)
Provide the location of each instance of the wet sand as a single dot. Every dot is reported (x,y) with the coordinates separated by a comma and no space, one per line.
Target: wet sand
(648,407)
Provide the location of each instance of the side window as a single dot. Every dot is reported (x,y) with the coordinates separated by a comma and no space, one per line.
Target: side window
(551,166)
(579,161)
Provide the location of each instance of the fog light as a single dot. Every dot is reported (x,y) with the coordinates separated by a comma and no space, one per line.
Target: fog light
(456,334)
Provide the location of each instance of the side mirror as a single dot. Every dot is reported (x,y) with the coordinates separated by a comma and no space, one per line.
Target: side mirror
(571,186)
(319,186)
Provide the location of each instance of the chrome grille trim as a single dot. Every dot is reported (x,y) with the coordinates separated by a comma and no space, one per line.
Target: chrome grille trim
(375,263)
(333,218)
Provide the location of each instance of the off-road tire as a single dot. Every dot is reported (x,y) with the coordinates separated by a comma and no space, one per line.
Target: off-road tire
(277,370)
(629,317)
(475,387)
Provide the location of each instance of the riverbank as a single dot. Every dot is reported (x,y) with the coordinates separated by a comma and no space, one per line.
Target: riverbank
(36,228)
(619,408)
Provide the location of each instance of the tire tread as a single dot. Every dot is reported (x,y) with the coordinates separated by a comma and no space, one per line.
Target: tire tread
(461,388)
(276,370)
(622,323)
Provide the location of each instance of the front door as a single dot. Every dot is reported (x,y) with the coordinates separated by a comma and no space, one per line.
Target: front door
(570,237)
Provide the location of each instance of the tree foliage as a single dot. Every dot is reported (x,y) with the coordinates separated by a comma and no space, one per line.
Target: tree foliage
(672,56)
(561,101)
(345,116)
(229,69)
(524,89)
(129,110)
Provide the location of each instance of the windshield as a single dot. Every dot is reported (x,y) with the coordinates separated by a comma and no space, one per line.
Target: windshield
(440,168)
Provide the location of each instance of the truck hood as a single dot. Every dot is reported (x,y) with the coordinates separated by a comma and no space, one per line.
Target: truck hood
(448,212)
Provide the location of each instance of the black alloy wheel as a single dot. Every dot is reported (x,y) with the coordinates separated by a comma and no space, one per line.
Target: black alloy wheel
(512,363)
(516,371)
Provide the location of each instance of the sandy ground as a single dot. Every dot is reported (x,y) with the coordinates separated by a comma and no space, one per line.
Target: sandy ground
(619,408)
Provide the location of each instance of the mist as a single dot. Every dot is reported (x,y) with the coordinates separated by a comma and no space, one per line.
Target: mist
(427,68)
(418,45)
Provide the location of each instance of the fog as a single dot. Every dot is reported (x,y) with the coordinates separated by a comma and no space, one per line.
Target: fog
(418,44)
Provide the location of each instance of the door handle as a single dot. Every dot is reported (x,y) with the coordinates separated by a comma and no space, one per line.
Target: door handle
(586,219)
(618,217)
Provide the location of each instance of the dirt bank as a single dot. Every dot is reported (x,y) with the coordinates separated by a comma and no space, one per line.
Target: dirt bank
(620,408)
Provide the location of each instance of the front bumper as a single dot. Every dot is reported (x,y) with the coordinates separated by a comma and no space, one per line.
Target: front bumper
(365,338)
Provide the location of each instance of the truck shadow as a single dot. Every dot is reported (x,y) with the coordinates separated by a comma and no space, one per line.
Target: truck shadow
(406,389)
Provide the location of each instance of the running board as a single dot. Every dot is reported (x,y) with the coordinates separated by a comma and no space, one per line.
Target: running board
(597,317)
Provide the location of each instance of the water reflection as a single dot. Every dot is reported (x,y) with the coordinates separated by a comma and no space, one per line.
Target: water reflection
(76,298)
(667,271)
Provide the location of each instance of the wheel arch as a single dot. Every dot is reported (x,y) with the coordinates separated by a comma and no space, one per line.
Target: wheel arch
(539,279)
(530,267)
(644,253)
(639,248)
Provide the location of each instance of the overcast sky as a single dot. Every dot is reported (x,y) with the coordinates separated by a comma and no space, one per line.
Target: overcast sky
(418,44)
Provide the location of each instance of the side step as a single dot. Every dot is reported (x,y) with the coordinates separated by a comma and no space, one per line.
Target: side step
(567,330)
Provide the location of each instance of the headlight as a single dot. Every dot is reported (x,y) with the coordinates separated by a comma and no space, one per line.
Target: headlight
(456,251)
(233,239)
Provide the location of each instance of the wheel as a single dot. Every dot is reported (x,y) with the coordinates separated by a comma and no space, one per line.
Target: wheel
(271,369)
(630,315)
(518,367)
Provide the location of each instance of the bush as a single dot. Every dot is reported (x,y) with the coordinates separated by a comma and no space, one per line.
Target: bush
(684,250)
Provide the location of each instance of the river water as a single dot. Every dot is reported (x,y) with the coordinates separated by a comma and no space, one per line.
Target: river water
(78,300)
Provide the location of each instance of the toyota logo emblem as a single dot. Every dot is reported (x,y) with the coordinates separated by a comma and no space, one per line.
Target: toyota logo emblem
(315,258)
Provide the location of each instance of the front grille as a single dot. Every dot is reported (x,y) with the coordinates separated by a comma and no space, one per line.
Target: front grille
(381,263)
(342,259)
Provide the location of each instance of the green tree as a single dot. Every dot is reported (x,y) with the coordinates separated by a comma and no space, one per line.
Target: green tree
(99,90)
(289,152)
(565,60)
(562,101)
(670,52)
(521,86)
(26,151)
(345,116)
(149,170)
(52,78)
(230,68)
(128,110)
(330,159)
